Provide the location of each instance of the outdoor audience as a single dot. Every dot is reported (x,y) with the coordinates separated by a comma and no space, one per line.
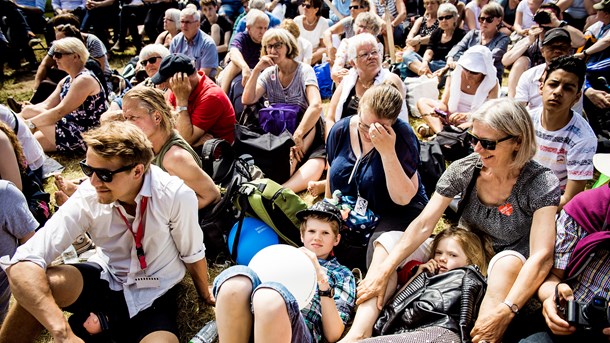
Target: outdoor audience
(520,211)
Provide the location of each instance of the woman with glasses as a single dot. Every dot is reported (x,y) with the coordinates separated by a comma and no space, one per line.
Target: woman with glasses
(419,35)
(439,43)
(507,197)
(373,156)
(472,83)
(281,79)
(171,27)
(74,107)
(488,35)
(344,28)
(312,25)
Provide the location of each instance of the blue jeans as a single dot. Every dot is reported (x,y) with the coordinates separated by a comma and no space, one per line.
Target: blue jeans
(231,9)
(412,56)
(300,332)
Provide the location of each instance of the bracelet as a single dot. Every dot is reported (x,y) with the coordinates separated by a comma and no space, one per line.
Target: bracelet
(584,52)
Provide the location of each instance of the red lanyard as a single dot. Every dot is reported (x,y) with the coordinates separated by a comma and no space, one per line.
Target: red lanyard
(138,235)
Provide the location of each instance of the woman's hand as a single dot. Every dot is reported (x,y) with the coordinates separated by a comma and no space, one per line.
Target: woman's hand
(383,138)
(490,327)
(414,41)
(297,151)
(458,118)
(265,62)
(373,285)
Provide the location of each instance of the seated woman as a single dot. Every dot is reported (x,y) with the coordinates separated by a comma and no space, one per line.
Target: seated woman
(312,25)
(74,107)
(171,25)
(488,35)
(440,42)
(471,84)
(146,108)
(419,36)
(365,23)
(281,79)
(506,196)
(374,156)
(344,28)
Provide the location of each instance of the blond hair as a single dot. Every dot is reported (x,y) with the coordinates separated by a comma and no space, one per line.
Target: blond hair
(152,100)
(478,251)
(281,35)
(71,45)
(334,225)
(384,100)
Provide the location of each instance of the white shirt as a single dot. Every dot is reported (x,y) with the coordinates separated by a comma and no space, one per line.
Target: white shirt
(172,237)
(528,89)
(31,148)
(312,36)
(305,50)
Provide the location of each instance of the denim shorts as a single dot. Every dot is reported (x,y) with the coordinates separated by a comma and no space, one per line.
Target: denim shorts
(300,332)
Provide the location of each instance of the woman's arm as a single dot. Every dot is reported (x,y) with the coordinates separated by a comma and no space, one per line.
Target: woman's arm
(310,118)
(9,168)
(374,284)
(253,90)
(180,163)
(402,12)
(518,24)
(327,37)
(411,40)
(80,89)
(494,92)
(329,118)
(469,19)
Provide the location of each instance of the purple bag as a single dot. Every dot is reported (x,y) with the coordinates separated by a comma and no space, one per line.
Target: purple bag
(279,117)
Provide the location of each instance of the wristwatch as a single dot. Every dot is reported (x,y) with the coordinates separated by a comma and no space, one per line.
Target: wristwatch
(327,293)
(563,23)
(513,307)
(182,108)
(31,125)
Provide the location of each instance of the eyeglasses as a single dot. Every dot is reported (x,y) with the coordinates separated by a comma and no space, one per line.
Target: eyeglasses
(103,174)
(151,60)
(488,20)
(355,7)
(447,17)
(168,19)
(58,55)
(475,73)
(486,143)
(366,55)
(275,46)
(307,6)
(187,22)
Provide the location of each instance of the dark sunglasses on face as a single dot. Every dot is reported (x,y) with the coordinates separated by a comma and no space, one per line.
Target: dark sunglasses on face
(103,174)
(307,6)
(447,17)
(58,55)
(355,7)
(488,20)
(486,143)
(150,60)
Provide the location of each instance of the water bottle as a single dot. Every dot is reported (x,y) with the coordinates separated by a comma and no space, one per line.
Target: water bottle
(207,334)
(325,58)
(70,256)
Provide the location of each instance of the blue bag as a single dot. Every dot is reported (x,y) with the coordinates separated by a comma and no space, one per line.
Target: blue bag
(325,83)
(279,117)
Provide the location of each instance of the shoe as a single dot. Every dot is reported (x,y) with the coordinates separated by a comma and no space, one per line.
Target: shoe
(424,130)
(34,42)
(14,105)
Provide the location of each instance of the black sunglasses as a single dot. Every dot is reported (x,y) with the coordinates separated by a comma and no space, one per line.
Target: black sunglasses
(307,6)
(488,20)
(355,7)
(486,143)
(104,174)
(150,60)
(59,55)
(447,17)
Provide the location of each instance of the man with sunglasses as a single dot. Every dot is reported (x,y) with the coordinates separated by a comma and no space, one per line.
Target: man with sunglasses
(144,223)
(566,142)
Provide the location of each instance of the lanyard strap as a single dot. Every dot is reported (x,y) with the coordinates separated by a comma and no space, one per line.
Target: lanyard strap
(361,159)
(140,233)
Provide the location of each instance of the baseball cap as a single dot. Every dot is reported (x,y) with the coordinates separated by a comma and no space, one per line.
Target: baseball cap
(603,5)
(172,64)
(556,34)
(323,208)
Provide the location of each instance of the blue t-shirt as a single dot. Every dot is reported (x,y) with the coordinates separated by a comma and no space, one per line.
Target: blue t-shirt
(369,178)
(273,22)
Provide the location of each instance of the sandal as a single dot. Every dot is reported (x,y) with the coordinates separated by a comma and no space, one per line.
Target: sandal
(424,130)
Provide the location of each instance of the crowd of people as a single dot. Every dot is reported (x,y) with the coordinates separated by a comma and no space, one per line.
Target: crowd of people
(525,220)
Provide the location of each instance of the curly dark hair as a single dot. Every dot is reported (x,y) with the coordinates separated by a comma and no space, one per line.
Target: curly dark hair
(569,64)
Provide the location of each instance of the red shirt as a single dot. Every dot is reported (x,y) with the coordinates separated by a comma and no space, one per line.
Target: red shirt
(210,109)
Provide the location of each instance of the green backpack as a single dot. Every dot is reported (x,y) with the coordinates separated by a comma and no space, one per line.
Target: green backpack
(277,206)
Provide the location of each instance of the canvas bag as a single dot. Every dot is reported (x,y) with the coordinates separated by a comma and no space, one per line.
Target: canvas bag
(420,87)
(276,118)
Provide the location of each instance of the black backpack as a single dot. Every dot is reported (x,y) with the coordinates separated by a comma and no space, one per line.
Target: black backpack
(431,165)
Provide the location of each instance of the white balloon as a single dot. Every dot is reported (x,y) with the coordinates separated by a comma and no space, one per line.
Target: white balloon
(289,266)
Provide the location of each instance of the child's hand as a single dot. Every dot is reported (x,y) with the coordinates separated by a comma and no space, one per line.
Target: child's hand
(430,266)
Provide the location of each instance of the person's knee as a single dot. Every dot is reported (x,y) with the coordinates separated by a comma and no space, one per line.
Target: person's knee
(235,289)
(66,284)
(505,265)
(268,303)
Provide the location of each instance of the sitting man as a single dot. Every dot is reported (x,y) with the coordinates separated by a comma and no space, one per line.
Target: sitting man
(204,110)
(144,223)
(556,43)
(195,43)
(240,26)
(245,50)
(577,274)
(566,142)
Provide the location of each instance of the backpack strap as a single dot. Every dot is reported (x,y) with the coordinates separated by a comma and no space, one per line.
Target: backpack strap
(218,159)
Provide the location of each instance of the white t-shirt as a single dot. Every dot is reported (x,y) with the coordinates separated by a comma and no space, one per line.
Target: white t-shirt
(32,150)
(312,36)
(305,50)
(528,89)
(476,10)
(528,16)
(569,151)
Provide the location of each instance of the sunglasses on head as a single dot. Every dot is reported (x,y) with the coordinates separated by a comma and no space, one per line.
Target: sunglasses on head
(103,174)
(488,20)
(150,60)
(59,55)
(486,143)
(447,17)
(355,7)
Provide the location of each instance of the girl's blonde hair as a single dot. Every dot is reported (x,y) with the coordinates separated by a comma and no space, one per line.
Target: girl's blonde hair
(478,250)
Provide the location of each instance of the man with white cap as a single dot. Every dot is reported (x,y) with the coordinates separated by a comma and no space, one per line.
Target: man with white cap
(580,269)
(566,142)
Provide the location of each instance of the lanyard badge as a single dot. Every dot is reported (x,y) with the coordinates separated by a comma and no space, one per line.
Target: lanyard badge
(140,233)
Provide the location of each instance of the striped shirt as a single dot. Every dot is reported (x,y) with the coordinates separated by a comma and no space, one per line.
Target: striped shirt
(391,6)
(295,92)
(595,278)
(569,151)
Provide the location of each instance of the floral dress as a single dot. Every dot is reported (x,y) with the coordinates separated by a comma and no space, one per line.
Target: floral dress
(68,129)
